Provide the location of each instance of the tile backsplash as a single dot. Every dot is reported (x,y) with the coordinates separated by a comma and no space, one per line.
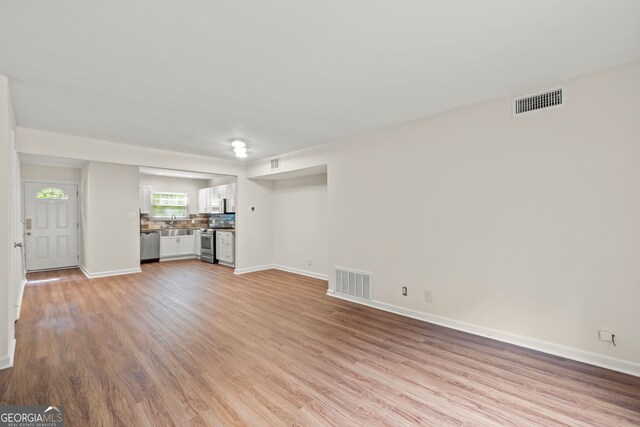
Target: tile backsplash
(194,221)
(223,220)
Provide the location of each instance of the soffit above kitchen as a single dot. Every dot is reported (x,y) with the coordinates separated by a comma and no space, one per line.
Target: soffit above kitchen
(172,173)
(285,75)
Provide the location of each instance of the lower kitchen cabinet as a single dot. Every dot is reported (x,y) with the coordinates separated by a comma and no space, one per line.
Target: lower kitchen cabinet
(225,246)
(197,234)
(173,246)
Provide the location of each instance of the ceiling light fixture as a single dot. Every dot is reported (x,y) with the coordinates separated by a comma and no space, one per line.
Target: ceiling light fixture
(239,147)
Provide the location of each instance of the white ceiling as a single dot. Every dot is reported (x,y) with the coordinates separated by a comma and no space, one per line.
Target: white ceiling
(286,74)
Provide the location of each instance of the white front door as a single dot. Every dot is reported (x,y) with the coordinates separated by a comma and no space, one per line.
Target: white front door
(51,225)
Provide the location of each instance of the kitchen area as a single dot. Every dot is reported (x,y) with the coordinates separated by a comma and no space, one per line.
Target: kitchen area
(186,215)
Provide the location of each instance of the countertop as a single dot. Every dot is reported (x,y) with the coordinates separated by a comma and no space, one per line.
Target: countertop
(170,228)
(151,230)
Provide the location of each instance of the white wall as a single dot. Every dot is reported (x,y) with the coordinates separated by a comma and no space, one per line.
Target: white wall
(110,234)
(9,289)
(254,234)
(254,227)
(300,224)
(54,173)
(221,180)
(176,185)
(525,228)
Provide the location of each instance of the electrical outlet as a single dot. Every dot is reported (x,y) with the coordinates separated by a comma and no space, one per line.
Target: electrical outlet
(309,261)
(428,295)
(404,291)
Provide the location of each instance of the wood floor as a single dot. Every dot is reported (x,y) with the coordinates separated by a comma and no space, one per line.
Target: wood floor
(189,343)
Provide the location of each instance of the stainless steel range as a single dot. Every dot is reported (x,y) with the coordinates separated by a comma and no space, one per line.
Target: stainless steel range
(208,246)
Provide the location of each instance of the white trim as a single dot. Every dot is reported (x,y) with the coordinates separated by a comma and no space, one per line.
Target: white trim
(600,360)
(48,181)
(19,301)
(253,269)
(178,258)
(7,361)
(109,273)
(301,272)
(246,270)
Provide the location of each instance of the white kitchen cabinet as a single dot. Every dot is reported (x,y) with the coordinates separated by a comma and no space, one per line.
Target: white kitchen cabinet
(225,246)
(172,246)
(145,200)
(197,234)
(168,246)
(208,196)
(187,245)
(204,200)
(231,197)
(217,192)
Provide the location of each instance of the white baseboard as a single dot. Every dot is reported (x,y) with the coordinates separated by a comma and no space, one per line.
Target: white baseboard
(91,275)
(7,361)
(19,301)
(301,272)
(253,269)
(280,267)
(600,360)
(177,258)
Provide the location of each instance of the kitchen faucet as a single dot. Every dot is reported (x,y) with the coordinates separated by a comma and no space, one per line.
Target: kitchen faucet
(173,219)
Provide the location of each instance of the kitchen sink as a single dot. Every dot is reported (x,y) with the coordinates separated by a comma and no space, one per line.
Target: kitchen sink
(177,232)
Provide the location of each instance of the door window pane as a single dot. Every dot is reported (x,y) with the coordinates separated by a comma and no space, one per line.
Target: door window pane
(52,193)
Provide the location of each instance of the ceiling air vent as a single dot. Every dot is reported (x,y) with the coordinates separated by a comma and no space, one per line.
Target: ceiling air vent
(353,283)
(538,101)
(275,163)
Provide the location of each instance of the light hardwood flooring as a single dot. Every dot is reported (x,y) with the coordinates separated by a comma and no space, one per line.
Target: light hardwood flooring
(189,343)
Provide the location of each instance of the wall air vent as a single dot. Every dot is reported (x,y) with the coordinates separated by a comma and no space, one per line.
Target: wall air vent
(275,163)
(353,283)
(537,101)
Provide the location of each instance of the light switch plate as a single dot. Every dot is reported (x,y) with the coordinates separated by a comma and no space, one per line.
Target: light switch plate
(605,336)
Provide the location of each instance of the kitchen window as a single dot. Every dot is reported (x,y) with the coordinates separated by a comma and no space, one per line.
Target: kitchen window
(164,205)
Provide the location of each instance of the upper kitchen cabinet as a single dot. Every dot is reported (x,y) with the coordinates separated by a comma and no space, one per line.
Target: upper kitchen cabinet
(204,200)
(210,196)
(145,200)
(231,197)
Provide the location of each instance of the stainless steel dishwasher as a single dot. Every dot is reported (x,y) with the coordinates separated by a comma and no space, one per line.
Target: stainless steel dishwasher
(149,246)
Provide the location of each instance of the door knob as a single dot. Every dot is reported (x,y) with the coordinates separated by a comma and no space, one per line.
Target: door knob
(17,245)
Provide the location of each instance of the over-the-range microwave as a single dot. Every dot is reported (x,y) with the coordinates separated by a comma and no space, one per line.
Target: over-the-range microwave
(218,206)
